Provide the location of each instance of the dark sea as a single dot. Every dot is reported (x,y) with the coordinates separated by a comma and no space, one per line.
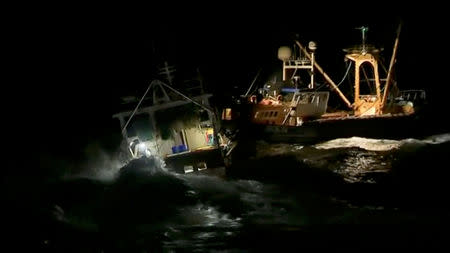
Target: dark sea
(343,193)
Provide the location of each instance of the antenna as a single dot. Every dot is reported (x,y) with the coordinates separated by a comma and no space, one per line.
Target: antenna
(167,71)
(364,30)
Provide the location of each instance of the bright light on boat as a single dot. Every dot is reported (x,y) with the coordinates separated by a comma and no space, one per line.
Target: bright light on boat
(142,147)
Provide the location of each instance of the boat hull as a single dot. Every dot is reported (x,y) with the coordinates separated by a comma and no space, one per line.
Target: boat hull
(192,161)
(252,138)
(383,127)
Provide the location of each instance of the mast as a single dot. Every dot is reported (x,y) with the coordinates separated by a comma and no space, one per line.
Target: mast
(364,30)
(365,104)
(391,65)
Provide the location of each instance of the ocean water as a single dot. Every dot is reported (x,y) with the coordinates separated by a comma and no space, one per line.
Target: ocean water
(344,193)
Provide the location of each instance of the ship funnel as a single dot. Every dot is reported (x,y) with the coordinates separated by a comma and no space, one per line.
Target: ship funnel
(284,53)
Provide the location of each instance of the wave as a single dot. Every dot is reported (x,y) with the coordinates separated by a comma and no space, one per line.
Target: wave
(359,142)
(381,144)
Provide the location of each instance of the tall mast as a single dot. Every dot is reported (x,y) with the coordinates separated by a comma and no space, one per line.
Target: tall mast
(391,65)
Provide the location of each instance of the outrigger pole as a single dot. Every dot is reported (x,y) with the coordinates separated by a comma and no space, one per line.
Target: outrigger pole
(391,65)
(136,108)
(327,78)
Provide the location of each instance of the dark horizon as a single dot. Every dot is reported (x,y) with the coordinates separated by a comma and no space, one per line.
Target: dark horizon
(95,53)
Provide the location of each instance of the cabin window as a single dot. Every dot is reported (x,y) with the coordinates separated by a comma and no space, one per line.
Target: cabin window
(226,114)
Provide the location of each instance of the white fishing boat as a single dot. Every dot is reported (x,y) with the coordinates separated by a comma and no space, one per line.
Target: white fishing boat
(180,129)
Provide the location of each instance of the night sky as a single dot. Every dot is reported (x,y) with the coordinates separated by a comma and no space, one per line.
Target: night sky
(70,64)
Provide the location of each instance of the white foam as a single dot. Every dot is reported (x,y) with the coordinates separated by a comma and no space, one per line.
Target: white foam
(438,139)
(381,144)
(359,142)
(106,168)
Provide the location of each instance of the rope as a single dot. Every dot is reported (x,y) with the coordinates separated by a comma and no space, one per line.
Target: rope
(135,109)
(259,71)
(343,78)
(188,98)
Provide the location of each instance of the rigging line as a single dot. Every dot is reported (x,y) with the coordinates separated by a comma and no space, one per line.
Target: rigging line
(382,65)
(190,99)
(343,78)
(253,91)
(259,71)
(321,85)
(293,74)
(367,79)
(394,84)
(135,109)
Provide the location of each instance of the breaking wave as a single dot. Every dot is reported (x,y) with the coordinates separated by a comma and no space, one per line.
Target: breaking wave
(157,207)
(359,142)
(380,144)
(292,190)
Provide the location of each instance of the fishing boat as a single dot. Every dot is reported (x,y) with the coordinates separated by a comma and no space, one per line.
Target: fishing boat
(177,127)
(296,110)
